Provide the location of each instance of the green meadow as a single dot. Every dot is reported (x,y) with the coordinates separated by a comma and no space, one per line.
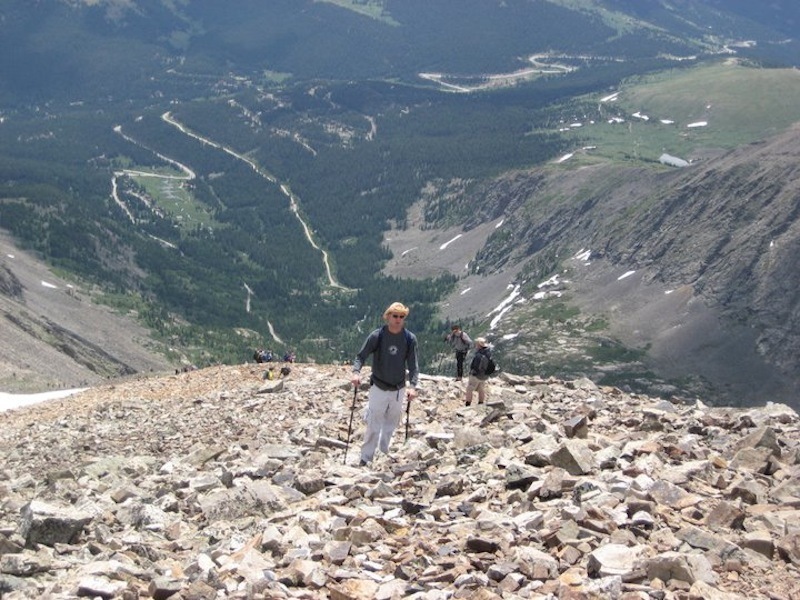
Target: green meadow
(737,105)
(172,197)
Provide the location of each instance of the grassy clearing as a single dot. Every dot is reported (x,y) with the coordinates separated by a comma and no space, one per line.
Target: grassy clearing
(740,105)
(617,21)
(178,203)
(374,9)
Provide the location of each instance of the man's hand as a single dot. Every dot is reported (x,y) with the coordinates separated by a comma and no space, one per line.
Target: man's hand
(411,393)
(355,380)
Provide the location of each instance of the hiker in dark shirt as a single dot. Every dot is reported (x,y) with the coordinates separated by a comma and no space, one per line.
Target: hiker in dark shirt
(393,349)
(477,371)
(461,343)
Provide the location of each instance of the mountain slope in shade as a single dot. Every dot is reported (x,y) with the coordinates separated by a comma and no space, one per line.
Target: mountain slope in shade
(695,267)
(55,337)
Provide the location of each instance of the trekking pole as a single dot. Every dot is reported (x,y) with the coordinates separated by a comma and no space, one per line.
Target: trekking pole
(408,416)
(350,426)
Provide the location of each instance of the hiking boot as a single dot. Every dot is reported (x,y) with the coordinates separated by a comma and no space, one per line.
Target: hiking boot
(467,403)
(362,463)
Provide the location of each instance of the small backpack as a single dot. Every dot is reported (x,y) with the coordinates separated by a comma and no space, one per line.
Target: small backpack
(491,367)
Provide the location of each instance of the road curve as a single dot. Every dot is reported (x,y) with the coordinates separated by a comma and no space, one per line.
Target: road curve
(294,203)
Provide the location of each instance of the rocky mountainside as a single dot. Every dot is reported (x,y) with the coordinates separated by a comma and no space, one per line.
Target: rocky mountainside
(219,483)
(693,267)
(54,335)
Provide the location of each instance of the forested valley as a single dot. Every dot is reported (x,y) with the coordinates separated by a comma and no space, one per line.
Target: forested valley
(219,264)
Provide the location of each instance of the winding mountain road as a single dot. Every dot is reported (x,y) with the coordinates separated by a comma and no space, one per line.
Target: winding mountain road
(188,175)
(294,203)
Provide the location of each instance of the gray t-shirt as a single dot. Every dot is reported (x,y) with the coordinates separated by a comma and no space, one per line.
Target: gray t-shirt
(393,353)
(460,341)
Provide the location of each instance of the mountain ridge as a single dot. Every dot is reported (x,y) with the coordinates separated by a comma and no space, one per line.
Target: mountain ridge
(56,337)
(698,233)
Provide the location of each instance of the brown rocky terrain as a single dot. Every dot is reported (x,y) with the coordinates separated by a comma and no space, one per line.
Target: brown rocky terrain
(217,483)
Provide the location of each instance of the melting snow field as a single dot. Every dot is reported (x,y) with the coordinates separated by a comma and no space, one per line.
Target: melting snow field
(446,244)
(614,120)
(9,401)
(505,306)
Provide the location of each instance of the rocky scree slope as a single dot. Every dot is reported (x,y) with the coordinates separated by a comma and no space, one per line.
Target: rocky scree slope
(218,483)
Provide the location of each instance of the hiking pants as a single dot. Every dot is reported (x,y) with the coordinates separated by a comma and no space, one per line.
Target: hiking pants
(460,356)
(384,410)
(474,384)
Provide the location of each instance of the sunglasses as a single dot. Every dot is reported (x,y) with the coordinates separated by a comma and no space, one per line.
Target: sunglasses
(398,316)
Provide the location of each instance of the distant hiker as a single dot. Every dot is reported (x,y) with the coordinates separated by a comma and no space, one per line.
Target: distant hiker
(262,356)
(285,371)
(289,356)
(270,374)
(461,343)
(394,349)
(477,371)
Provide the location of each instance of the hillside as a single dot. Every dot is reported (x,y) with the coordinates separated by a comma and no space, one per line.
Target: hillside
(672,280)
(55,336)
(216,483)
(276,174)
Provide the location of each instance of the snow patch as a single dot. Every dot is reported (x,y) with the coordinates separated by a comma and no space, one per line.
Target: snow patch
(673,161)
(504,306)
(9,401)
(446,244)
(550,282)
(547,294)
(583,255)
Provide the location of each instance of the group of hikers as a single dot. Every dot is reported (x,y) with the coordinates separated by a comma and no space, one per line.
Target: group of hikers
(395,375)
(394,351)
(265,356)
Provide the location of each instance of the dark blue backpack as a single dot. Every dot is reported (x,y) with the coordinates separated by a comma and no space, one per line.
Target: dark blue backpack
(491,367)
